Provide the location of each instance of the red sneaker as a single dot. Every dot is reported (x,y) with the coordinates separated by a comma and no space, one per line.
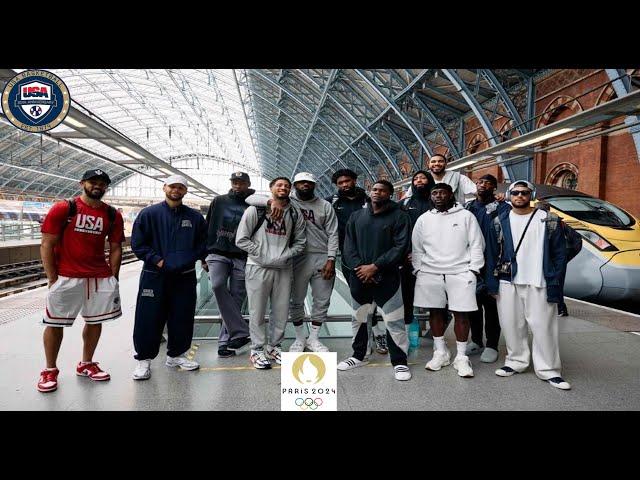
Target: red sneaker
(93,371)
(48,380)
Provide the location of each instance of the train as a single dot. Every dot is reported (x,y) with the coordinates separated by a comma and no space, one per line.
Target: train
(607,269)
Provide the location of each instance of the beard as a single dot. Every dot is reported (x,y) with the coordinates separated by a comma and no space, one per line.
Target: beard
(421,190)
(305,194)
(350,192)
(94,196)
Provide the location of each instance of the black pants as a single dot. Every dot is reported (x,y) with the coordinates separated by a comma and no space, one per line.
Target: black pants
(388,296)
(164,299)
(346,271)
(491,323)
(408,280)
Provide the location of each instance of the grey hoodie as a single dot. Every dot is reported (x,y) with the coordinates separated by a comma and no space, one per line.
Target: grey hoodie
(269,247)
(321,222)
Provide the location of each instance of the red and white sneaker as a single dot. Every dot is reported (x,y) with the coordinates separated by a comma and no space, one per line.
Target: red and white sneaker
(93,371)
(48,381)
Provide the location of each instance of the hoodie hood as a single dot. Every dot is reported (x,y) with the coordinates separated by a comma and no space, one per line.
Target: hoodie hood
(456,208)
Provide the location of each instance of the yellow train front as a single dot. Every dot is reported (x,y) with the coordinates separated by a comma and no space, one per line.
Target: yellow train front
(608,266)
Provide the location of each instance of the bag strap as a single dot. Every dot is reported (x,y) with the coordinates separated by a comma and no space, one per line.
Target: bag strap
(262,216)
(524,232)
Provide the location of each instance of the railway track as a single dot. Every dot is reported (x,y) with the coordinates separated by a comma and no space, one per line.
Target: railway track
(18,277)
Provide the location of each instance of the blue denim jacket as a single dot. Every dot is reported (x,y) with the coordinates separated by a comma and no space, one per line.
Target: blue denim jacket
(554,257)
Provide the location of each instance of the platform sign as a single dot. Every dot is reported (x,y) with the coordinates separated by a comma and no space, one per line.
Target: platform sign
(309,382)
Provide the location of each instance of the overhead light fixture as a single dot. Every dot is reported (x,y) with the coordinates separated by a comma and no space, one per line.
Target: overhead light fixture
(531,141)
(468,162)
(74,123)
(130,152)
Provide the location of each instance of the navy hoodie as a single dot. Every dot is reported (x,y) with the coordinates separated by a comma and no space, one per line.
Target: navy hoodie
(177,235)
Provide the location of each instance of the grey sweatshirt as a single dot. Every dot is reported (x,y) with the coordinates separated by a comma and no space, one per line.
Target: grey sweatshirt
(269,247)
(321,222)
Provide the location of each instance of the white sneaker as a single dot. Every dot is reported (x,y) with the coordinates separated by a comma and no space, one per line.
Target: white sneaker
(560,383)
(274,353)
(315,345)
(352,362)
(489,355)
(473,348)
(463,366)
(183,362)
(297,346)
(441,358)
(143,370)
(402,372)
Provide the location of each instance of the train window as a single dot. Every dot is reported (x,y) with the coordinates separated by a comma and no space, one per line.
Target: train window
(593,210)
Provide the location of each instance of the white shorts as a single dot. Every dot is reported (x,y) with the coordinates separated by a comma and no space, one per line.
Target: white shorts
(437,290)
(98,298)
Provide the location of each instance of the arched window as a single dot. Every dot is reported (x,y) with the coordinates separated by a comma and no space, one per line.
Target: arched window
(564,175)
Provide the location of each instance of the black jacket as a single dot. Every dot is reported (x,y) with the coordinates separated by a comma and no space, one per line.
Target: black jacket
(417,204)
(344,207)
(383,238)
(223,219)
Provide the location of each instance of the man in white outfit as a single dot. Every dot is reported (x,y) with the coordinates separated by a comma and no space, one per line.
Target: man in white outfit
(447,255)
(525,256)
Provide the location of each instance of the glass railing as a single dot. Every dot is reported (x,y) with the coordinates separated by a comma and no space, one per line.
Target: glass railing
(338,325)
(207,319)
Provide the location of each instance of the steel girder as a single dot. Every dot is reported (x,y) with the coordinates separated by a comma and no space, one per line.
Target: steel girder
(283,89)
(622,89)
(346,113)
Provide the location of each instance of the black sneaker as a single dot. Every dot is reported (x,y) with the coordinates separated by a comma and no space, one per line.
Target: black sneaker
(560,383)
(562,311)
(239,345)
(224,352)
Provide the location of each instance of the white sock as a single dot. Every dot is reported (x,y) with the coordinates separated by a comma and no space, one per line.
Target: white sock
(439,344)
(51,369)
(300,333)
(314,332)
(462,349)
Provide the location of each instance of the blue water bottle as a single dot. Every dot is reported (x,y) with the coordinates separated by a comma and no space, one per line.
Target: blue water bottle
(414,334)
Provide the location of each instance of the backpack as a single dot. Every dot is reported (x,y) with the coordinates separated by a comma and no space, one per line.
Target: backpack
(262,216)
(73,210)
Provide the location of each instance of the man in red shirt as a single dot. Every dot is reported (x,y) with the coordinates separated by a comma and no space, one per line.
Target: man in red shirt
(80,279)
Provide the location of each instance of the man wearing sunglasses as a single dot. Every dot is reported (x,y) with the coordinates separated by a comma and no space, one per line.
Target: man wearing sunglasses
(524,264)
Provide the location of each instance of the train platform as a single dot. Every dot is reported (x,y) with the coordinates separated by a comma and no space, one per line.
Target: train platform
(600,350)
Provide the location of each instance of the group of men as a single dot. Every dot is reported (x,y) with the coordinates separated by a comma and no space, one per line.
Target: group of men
(486,261)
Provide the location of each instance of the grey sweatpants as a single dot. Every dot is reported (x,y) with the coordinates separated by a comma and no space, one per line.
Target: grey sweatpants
(306,270)
(223,271)
(265,284)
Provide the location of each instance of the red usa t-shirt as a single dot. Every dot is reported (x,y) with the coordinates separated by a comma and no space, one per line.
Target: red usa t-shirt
(80,251)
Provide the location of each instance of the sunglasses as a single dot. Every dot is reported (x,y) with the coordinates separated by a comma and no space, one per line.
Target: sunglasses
(524,193)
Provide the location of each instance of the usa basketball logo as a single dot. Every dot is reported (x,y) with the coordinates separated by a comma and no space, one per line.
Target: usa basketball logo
(36,101)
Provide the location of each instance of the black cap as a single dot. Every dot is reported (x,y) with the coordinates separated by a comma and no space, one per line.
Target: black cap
(240,176)
(96,173)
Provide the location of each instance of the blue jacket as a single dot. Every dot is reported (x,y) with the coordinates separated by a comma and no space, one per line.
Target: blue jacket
(177,235)
(554,256)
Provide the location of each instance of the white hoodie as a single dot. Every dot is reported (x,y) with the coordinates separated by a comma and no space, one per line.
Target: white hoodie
(447,242)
